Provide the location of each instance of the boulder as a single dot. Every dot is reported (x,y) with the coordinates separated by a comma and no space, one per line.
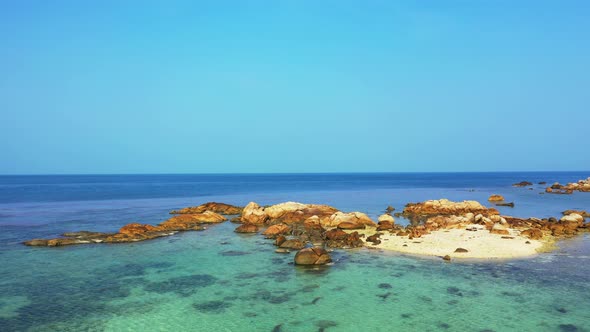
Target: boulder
(312,256)
(496,198)
(386,217)
(254,214)
(461,250)
(573,217)
(275,230)
(279,240)
(246,228)
(352,217)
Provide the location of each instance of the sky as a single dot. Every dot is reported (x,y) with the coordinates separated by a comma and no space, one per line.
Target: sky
(90,87)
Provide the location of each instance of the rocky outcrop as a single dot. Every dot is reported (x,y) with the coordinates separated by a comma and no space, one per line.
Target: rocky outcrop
(580,186)
(135,232)
(189,221)
(496,198)
(446,207)
(312,256)
(220,208)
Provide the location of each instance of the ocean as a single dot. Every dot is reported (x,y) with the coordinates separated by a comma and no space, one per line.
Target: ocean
(217,280)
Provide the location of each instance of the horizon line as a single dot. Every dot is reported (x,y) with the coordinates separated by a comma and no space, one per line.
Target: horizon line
(292,173)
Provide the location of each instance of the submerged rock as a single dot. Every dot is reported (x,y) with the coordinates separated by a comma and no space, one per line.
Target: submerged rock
(312,256)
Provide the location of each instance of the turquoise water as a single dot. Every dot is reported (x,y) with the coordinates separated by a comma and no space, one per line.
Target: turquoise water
(217,280)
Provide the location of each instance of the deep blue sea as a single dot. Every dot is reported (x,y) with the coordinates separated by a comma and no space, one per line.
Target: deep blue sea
(217,280)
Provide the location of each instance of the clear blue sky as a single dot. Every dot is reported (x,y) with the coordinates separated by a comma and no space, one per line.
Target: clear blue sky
(293,86)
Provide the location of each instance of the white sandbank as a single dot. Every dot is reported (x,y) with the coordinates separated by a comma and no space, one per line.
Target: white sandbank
(481,244)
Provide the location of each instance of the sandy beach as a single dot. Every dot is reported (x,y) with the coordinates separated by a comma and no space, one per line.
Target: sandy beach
(480,244)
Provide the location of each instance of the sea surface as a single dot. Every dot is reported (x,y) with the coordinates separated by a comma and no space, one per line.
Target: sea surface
(218,280)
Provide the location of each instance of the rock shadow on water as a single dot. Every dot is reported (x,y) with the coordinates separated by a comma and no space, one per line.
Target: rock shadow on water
(212,307)
(183,286)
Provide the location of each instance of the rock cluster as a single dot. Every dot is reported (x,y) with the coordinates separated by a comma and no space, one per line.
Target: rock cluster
(523,184)
(220,208)
(293,212)
(581,186)
(446,207)
(135,232)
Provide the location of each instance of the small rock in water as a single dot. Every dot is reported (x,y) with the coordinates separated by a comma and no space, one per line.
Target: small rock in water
(562,310)
(278,328)
(447,258)
(384,286)
(316,300)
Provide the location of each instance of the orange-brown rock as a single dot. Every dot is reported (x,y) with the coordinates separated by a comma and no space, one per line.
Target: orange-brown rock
(275,230)
(246,228)
(523,184)
(337,238)
(496,198)
(350,225)
(374,238)
(220,208)
(312,256)
(135,228)
(353,217)
(385,225)
(254,214)
(292,244)
(279,240)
